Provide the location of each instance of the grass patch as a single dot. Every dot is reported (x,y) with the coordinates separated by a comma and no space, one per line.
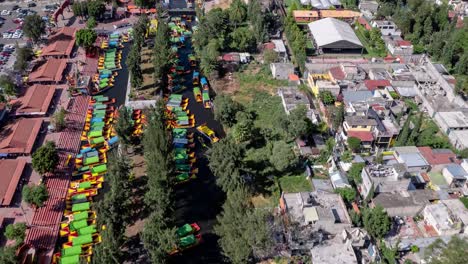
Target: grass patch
(437,178)
(253,79)
(464,200)
(291,184)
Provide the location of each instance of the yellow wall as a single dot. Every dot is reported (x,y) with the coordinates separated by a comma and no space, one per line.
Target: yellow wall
(358,128)
(311,81)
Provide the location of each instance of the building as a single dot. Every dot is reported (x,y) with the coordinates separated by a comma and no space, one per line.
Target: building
(387,27)
(451,121)
(306,16)
(338,180)
(281,71)
(319,210)
(442,219)
(373,85)
(18,137)
(459,210)
(36,101)
(400,48)
(325,85)
(291,98)
(11,169)
(455,175)
(350,97)
(60,44)
(49,72)
(321,4)
(438,158)
(333,35)
(384,178)
(369,6)
(280,49)
(334,251)
(360,126)
(406,203)
(412,158)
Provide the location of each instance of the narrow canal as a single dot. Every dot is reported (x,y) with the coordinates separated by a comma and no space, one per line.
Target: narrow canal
(120,86)
(200,200)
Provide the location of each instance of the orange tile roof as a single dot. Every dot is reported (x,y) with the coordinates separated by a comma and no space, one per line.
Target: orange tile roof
(339,13)
(11,173)
(19,136)
(50,71)
(61,43)
(364,136)
(305,13)
(36,100)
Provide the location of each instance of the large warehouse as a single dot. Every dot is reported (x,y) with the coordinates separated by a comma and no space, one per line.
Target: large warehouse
(331,35)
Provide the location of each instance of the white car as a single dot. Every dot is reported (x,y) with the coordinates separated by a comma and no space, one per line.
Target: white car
(6,35)
(5,12)
(17,35)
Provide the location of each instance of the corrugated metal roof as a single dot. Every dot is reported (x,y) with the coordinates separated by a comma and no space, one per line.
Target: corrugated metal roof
(330,30)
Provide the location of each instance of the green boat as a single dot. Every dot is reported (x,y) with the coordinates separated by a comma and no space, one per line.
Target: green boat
(81,207)
(99,169)
(183,167)
(81,240)
(80,216)
(89,230)
(78,197)
(187,241)
(98,140)
(187,229)
(70,260)
(95,133)
(71,251)
(84,185)
(75,225)
(91,160)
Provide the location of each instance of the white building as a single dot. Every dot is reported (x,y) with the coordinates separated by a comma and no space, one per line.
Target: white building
(387,27)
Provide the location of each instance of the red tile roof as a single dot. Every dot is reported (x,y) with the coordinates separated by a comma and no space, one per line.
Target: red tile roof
(19,137)
(36,101)
(11,173)
(337,73)
(61,43)
(50,71)
(269,46)
(364,22)
(438,157)
(364,136)
(376,84)
(403,43)
(293,77)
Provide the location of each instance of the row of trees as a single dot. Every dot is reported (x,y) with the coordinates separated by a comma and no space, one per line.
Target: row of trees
(88,9)
(240,27)
(297,41)
(419,131)
(159,235)
(114,211)
(161,51)
(134,57)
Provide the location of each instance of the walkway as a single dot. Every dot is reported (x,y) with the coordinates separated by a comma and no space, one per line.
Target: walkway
(44,230)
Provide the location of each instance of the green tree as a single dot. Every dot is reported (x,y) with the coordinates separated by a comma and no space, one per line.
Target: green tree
(96,8)
(389,254)
(158,239)
(347,156)
(354,173)
(299,125)
(338,117)
(86,38)
(8,255)
(404,134)
(8,86)
(77,9)
(226,163)
(35,195)
(242,39)
(241,228)
(327,97)
(282,156)
(16,232)
(45,159)
(348,194)
(226,109)
(134,65)
(413,138)
(376,221)
(34,27)
(356,218)
(354,143)
(244,128)
(23,56)
(237,12)
(209,57)
(91,23)
(161,50)
(452,252)
(124,126)
(257,20)
(58,120)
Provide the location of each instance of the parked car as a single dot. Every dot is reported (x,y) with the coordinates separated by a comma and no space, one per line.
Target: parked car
(15,7)
(5,12)
(17,20)
(32,4)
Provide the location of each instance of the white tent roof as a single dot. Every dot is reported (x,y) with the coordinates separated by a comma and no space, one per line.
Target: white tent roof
(330,30)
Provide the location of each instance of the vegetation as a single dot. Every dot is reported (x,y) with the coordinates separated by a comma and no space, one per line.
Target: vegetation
(96,8)
(45,159)
(269,56)
(16,232)
(34,27)
(282,156)
(376,221)
(35,195)
(297,41)
(8,255)
(338,117)
(80,9)
(372,41)
(451,252)
(23,56)
(58,120)
(8,87)
(464,200)
(134,57)
(348,194)
(389,254)
(291,184)
(347,156)
(354,173)
(86,38)
(124,126)
(241,228)
(298,123)
(226,110)
(91,23)
(161,51)
(327,97)
(354,143)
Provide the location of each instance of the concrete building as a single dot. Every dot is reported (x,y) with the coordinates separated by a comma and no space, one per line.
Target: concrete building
(406,203)
(317,210)
(451,121)
(369,6)
(455,175)
(400,47)
(333,35)
(281,71)
(291,98)
(442,219)
(459,210)
(412,159)
(438,158)
(387,27)
(280,49)
(334,251)
(339,180)
(385,178)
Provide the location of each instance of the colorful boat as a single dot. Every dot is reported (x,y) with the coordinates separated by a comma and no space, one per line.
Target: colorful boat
(207,132)
(198,94)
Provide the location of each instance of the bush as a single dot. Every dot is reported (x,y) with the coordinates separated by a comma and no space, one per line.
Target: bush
(35,195)
(354,143)
(414,249)
(16,232)
(46,158)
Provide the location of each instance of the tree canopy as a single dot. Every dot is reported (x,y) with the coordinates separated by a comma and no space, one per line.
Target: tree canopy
(23,56)
(348,194)
(34,27)
(8,255)
(45,159)
(226,109)
(16,232)
(376,221)
(299,125)
(282,156)
(35,195)
(354,143)
(96,8)
(452,252)
(124,126)
(86,37)
(327,97)
(242,39)
(354,173)
(7,86)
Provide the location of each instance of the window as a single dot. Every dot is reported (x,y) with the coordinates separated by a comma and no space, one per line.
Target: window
(363,126)
(354,126)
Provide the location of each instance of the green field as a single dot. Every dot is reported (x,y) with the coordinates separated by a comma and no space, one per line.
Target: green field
(291,184)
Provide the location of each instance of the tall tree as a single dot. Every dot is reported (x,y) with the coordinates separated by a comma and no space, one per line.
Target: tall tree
(124,125)
(8,86)
(242,39)
(404,134)
(282,156)
(452,252)
(35,195)
(226,163)
(244,128)
(16,232)
(237,12)
(96,8)
(45,159)
(158,239)
(209,57)
(376,221)
(34,27)
(338,117)
(226,109)
(161,52)
(299,124)
(86,37)
(23,56)
(354,143)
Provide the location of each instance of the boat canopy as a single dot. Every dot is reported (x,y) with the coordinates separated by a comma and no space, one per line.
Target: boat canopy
(81,207)
(187,241)
(70,260)
(71,251)
(81,240)
(184,230)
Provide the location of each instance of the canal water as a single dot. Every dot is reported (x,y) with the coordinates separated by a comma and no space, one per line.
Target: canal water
(200,200)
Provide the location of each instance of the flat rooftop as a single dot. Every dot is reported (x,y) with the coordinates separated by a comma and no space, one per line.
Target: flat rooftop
(11,169)
(36,101)
(333,251)
(19,136)
(454,119)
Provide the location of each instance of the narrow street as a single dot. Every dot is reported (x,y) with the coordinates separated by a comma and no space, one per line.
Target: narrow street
(200,200)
